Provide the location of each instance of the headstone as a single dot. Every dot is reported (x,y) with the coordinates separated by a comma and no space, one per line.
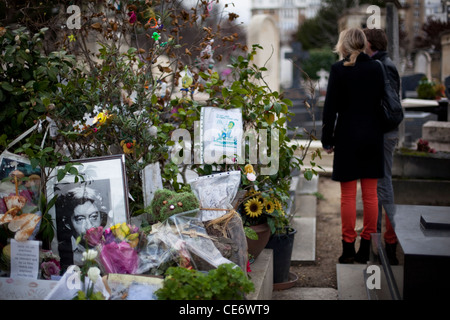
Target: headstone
(264,32)
(445,57)
(296,56)
(286,70)
(151,181)
(409,85)
(437,133)
(426,251)
(447,86)
(422,64)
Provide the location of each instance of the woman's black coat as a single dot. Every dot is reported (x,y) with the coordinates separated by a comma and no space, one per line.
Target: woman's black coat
(351,119)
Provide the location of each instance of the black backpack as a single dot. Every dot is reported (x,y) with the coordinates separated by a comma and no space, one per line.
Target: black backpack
(391,106)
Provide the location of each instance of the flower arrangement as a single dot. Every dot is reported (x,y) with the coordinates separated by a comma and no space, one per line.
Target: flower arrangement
(50,265)
(117,247)
(430,89)
(89,275)
(261,206)
(423,146)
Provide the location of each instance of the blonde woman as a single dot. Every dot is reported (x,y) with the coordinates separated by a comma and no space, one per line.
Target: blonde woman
(351,130)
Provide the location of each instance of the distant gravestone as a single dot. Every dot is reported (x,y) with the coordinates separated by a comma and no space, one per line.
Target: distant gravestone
(296,56)
(151,181)
(447,86)
(445,56)
(264,32)
(409,85)
(286,70)
(422,63)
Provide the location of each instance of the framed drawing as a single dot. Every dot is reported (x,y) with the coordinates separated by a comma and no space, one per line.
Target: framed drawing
(99,198)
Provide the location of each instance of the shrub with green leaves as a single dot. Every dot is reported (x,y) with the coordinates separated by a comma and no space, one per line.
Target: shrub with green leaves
(28,80)
(227,282)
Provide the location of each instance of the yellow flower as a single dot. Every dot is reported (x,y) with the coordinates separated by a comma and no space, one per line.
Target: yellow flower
(120,230)
(270,207)
(249,169)
(102,117)
(253,207)
(251,192)
(277,204)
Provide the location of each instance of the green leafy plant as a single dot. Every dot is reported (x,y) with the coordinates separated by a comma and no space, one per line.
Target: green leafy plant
(28,79)
(262,109)
(227,282)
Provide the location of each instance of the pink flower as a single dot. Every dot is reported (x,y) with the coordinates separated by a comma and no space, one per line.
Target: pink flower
(93,236)
(248,266)
(251,176)
(50,268)
(132,16)
(119,258)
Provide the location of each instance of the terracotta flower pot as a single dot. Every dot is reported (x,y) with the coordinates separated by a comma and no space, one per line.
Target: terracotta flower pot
(256,246)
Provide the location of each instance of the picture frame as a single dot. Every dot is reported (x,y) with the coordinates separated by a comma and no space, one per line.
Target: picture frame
(99,198)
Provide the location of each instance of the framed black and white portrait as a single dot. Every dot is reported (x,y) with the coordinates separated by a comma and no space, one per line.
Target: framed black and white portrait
(99,198)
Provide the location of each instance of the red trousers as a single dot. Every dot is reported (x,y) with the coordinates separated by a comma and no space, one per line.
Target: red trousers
(348,208)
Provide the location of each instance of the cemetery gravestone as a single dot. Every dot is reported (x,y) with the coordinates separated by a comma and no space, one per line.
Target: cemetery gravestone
(425,240)
(409,85)
(422,63)
(264,32)
(297,55)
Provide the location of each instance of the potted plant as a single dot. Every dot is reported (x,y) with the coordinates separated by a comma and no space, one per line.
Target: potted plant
(261,211)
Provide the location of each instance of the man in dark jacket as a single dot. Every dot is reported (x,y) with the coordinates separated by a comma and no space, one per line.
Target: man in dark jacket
(377,46)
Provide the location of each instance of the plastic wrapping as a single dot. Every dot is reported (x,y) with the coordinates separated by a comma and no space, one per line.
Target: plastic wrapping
(119,258)
(70,283)
(181,240)
(216,191)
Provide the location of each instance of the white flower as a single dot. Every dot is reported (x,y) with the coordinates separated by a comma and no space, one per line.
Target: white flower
(90,255)
(251,176)
(93,273)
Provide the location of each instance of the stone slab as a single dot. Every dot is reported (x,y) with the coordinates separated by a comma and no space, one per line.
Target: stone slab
(299,293)
(421,192)
(262,276)
(350,281)
(304,249)
(416,241)
(307,186)
(306,206)
(438,131)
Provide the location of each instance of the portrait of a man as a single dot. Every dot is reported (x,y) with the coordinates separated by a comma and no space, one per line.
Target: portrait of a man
(79,207)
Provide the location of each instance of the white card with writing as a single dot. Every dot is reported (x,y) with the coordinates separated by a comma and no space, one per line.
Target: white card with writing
(24,259)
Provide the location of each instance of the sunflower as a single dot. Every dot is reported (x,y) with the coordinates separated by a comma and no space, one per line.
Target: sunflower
(270,207)
(253,208)
(277,204)
(251,192)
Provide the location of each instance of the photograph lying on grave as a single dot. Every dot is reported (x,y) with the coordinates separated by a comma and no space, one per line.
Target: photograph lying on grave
(98,198)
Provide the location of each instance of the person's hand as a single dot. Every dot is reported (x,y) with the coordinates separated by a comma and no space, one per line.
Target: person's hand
(329,150)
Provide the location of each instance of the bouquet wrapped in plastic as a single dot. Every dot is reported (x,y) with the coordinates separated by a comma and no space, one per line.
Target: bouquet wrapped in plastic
(117,246)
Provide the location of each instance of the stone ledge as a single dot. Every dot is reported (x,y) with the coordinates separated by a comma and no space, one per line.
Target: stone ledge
(262,276)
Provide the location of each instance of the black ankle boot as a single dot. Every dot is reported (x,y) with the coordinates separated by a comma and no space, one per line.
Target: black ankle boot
(348,252)
(391,255)
(363,254)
